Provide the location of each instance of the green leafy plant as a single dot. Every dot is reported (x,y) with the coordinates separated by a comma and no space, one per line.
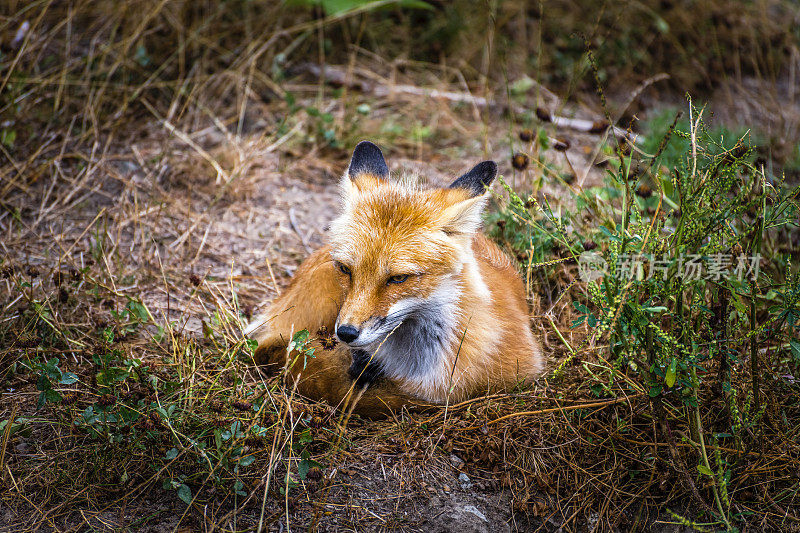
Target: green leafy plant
(679,294)
(685,279)
(50,375)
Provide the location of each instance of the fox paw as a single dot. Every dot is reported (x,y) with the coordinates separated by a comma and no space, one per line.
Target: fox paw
(271,350)
(364,371)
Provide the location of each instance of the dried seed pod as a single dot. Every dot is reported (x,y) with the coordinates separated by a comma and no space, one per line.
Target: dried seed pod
(589,245)
(561,145)
(221,422)
(30,342)
(255,441)
(107,400)
(242,405)
(598,126)
(520,161)
(526,135)
(739,151)
(194,279)
(543,115)
(328,343)
(69,397)
(644,191)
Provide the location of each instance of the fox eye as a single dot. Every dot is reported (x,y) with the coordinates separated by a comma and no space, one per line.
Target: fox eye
(343,269)
(397,279)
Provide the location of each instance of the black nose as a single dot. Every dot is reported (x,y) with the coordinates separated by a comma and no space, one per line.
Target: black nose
(347,334)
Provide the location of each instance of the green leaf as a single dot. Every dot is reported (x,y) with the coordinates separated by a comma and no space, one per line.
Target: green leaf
(7,137)
(305,437)
(306,465)
(669,378)
(795,344)
(68,378)
(251,344)
(141,56)
(703,469)
(247,460)
(522,85)
(172,454)
(299,339)
(338,7)
(185,493)
(138,311)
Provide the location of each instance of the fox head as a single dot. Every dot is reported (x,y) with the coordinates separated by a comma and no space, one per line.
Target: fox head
(403,253)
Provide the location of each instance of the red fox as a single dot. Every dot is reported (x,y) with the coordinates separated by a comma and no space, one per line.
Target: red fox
(425,307)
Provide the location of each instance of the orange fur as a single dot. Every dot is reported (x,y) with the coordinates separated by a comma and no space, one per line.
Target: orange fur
(391,228)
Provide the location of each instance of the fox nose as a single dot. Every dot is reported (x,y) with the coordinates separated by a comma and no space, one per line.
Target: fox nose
(347,334)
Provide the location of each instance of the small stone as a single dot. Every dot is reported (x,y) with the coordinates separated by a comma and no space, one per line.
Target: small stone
(456,461)
(475,511)
(464,481)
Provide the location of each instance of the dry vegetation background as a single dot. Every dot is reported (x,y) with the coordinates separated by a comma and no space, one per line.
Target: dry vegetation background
(165,165)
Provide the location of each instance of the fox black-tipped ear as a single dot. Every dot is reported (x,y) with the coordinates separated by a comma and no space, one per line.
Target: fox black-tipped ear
(367,159)
(476,180)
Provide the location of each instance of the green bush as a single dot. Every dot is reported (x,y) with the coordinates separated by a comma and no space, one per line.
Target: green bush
(688,285)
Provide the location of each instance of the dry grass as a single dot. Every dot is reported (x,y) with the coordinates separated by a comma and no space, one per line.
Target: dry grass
(166,175)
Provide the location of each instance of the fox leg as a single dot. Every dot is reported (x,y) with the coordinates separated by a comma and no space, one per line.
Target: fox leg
(328,375)
(311,301)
